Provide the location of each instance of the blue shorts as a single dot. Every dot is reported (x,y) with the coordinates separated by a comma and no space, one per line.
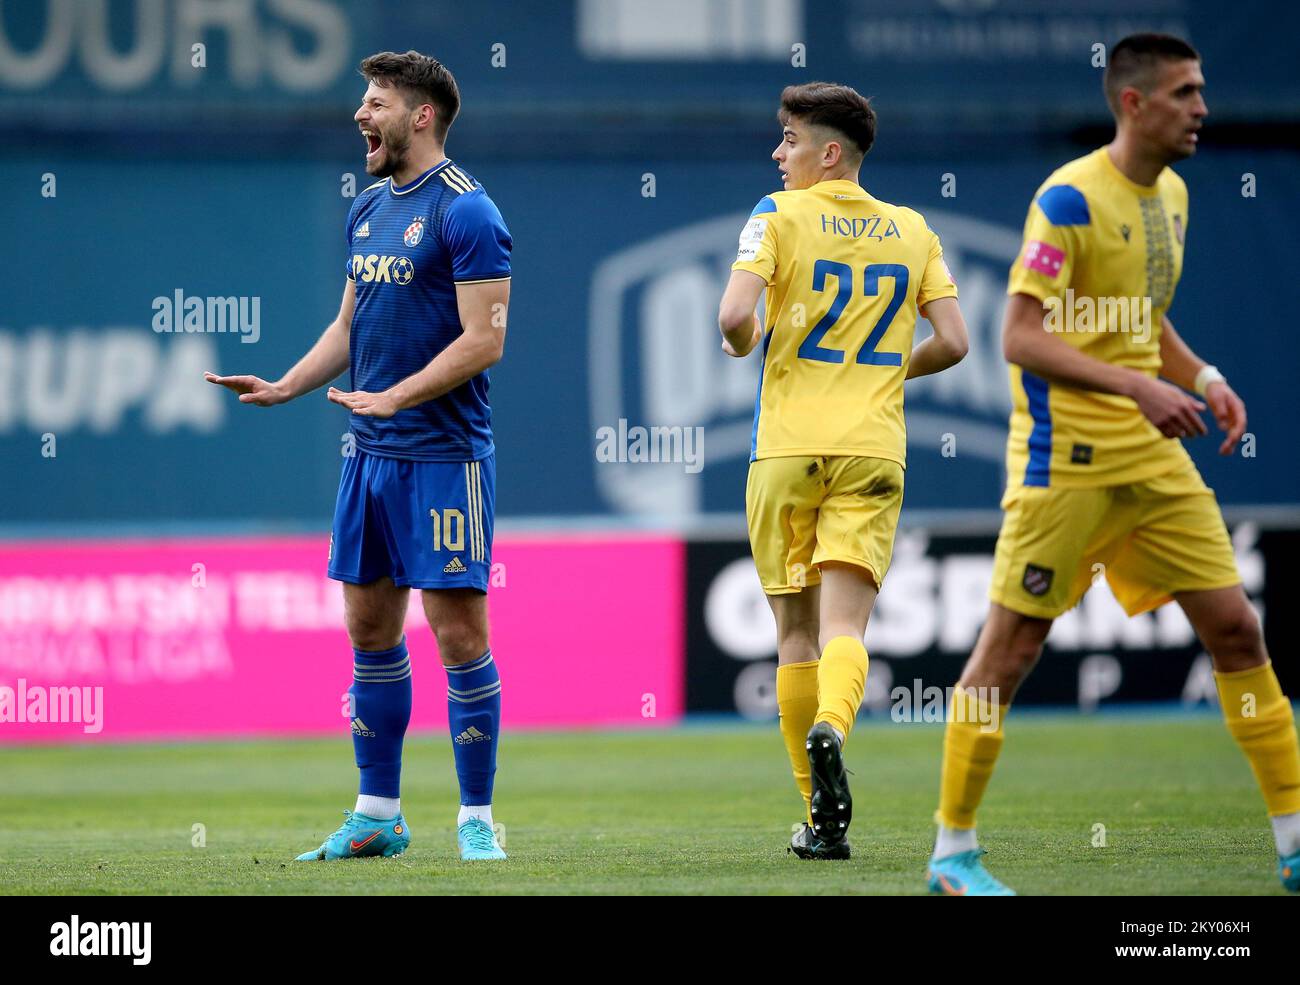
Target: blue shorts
(423,524)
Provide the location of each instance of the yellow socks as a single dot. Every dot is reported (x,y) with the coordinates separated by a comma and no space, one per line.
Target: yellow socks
(841,679)
(970,751)
(825,690)
(796,698)
(1259,717)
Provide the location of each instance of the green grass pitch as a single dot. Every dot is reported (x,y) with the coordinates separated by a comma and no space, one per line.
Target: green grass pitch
(697,809)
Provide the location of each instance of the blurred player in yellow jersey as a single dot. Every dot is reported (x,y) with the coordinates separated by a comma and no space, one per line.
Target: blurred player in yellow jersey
(845,276)
(1096,474)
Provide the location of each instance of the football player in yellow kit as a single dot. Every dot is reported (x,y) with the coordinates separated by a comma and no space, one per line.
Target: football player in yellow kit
(845,276)
(1096,473)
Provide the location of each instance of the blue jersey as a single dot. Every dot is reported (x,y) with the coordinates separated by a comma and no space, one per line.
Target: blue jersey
(408,248)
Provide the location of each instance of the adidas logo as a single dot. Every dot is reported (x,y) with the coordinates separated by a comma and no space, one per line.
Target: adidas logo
(471,734)
(359,728)
(455,567)
(363,231)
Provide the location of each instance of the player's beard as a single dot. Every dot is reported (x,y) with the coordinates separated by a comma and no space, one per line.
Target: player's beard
(396,147)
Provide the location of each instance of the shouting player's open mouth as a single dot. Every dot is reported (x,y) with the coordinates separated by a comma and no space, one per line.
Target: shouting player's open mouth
(374,143)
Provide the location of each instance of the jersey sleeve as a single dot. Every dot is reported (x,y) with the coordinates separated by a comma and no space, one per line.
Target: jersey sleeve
(477,239)
(1055,236)
(758,241)
(936,281)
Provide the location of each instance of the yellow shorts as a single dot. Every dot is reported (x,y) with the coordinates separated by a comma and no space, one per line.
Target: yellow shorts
(1149,539)
(804,510)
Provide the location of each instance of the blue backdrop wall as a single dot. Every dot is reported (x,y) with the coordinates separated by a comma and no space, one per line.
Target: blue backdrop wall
(625,151)
(612,317)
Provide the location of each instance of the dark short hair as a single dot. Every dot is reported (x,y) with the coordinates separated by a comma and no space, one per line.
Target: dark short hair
(828,104)
(1133,62)
(422,80)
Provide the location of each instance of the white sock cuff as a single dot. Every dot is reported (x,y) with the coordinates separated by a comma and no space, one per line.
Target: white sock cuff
(1286,833)
(481,811)
(380,808)
(953,841)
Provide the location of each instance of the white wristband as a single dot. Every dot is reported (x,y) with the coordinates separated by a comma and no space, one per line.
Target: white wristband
(1207,375)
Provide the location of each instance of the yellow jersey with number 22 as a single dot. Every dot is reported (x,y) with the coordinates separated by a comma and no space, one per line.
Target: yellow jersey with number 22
(846,276)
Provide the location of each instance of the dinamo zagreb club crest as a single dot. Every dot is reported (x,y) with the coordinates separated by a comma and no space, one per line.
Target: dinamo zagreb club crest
(414,233)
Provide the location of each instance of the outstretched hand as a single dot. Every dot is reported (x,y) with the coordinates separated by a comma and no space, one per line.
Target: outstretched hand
(365,404)
(251,389)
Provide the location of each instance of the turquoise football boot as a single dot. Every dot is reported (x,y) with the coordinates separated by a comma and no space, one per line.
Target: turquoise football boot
(362,836)
(1288,870)
(477,841)
(964,874)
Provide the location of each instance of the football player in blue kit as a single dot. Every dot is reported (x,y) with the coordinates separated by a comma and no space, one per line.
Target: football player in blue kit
(423,317)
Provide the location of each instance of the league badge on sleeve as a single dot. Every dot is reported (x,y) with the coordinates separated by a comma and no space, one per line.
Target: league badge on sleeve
(751,237)
(414,232)
(1043,257)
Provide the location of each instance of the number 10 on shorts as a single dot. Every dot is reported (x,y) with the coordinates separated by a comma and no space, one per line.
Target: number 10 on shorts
(448,529)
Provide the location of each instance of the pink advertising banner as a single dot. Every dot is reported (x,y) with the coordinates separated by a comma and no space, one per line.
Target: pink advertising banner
(111,640)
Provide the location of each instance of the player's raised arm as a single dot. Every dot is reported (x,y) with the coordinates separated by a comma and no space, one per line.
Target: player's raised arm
(740,325)
(1180,365)
(1027,343)
(324,361)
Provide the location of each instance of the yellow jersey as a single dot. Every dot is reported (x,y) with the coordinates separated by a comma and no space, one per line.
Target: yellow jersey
(846,275)
(1104,255)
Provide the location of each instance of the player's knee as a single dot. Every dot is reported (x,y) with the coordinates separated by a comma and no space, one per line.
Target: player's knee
(459,640)
(798,641)
(1006,669)
(1024,654)
(1236,640)
(1005,655)
(372,634)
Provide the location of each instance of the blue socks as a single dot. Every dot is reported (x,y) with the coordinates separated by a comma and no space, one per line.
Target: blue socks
(474,713)
(381,710)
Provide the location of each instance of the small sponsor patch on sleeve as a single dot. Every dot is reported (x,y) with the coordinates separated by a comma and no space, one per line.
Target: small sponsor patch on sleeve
(751,237)
(1043,258)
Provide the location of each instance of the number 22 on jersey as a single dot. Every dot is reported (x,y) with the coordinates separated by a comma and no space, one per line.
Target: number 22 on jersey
(867,354)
